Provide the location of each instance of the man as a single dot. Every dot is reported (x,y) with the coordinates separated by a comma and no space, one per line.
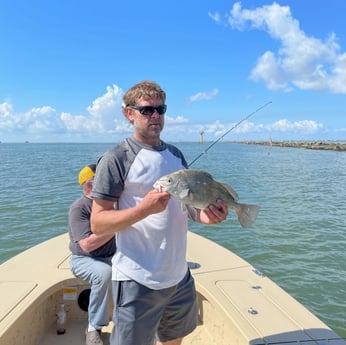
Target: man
(91,257)
(153,292)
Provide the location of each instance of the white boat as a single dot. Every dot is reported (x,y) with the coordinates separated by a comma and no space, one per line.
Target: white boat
(237,304)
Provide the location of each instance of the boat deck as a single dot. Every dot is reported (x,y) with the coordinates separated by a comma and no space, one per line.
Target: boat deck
(75,334)
(75,330)
(236,303)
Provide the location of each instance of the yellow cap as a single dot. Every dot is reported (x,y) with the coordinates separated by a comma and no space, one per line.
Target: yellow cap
(86,173)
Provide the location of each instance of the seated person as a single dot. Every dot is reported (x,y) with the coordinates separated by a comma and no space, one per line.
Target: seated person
(91,258)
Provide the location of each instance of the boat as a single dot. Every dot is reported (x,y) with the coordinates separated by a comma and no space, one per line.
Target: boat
(237,303)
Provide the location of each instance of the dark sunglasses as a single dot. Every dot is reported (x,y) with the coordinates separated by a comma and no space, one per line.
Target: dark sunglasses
(149,110)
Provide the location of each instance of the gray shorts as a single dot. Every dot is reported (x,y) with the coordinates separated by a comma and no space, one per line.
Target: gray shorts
(141,314)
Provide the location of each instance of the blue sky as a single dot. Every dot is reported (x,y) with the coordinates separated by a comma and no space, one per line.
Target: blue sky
(64,66)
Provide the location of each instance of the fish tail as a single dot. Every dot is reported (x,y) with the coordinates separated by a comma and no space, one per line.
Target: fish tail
(247,214)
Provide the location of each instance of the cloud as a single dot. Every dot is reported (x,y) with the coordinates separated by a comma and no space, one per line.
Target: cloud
(203,96)
(104,121)
(282,128)
(104,115)
(42,119)
(6,109)
(215,16)
(175,120)
(6,121)
(301,61)
(105,107)
(305,126)
(283,125)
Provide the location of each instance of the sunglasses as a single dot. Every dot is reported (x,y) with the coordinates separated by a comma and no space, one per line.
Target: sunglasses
(149,110)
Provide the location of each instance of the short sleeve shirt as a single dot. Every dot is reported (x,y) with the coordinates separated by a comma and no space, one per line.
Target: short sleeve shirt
(79,228)
(153,250)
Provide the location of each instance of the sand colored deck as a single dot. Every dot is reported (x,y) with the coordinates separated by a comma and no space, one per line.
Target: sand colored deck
(237,305)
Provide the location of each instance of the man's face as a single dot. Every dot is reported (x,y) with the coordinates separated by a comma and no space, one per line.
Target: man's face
(147,128)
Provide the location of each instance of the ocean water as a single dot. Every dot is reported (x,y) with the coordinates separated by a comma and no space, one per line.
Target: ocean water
(298,239)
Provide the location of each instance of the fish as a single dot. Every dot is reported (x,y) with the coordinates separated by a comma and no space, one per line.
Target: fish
(197,189)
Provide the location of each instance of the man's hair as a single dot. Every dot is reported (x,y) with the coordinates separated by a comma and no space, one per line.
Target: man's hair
(145,89)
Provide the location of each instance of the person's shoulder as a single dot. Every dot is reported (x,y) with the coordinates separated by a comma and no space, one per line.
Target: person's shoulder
(118,150)
(76,204)
(174,149)
(126,145)
(171,146)
(81,201)
(119,158)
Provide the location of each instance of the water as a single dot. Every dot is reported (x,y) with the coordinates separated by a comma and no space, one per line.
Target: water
(298,239)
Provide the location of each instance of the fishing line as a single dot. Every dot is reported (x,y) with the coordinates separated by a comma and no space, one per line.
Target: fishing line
(231,129)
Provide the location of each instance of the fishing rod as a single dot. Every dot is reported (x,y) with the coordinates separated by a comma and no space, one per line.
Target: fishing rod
(231,129)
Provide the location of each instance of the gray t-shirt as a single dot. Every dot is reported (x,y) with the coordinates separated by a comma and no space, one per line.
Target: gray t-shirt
(79,228)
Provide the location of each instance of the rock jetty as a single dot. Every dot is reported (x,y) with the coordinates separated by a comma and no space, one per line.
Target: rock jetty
(315,145)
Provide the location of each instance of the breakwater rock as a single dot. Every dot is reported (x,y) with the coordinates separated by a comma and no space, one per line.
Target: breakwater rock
(314,145)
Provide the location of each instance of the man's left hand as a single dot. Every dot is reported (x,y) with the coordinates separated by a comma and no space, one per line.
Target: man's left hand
(214,214)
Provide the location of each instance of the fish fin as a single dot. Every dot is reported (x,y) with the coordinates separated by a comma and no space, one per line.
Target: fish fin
(231,191)
(191,211)
(247,214)
(184,193)
(205,173)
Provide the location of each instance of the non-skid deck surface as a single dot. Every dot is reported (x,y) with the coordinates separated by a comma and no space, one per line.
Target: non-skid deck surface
(75,335)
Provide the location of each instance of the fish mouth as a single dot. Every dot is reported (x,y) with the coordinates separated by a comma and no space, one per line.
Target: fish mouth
(159,187)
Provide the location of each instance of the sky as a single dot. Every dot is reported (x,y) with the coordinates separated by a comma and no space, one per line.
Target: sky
(256,70)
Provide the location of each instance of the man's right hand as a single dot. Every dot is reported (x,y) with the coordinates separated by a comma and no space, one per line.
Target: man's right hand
(155,201)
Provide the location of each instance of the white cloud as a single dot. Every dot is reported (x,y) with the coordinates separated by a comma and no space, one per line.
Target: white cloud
(281,129)
(174,120)
(203,96)
(43,119)
(302,61)
(104,114)
(105,122)
(102,117)
(305,126)
(6,111)
(218,129)
(105,107)
(215,16)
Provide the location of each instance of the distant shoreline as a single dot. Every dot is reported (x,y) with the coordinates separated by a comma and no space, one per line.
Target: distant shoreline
(314,145)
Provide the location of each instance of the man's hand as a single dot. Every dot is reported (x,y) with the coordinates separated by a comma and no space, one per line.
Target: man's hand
(214,214)
(105,219)
(155,201)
